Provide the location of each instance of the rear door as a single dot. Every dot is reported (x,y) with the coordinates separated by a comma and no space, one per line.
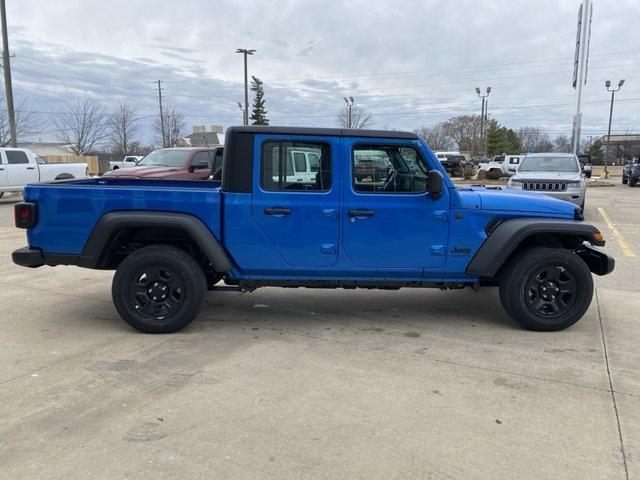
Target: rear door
(392,223)
(20,169)
(298,214)
(4,179)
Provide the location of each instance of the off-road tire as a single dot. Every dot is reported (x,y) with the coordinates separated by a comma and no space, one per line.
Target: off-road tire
(149,269)
(522,271)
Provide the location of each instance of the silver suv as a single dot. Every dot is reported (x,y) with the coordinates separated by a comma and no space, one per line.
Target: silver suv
(556,174)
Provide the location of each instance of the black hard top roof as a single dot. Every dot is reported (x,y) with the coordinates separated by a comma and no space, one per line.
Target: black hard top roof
(334,132)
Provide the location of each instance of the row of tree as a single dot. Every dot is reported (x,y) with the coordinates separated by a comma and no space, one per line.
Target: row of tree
(86,126)
(464,133)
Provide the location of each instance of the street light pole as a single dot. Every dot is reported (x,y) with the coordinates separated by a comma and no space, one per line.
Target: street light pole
(350,101)
(246,52)
(6,64)
(613,91)
(483,115)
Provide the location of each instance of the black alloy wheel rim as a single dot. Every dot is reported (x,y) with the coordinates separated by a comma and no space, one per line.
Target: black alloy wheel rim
(551,291)
(157,292)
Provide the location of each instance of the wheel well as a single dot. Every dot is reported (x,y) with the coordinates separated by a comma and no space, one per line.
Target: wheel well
(127,239)
(567,241)
(64,176)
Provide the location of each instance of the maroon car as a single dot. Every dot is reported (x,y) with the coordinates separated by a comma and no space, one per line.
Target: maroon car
(180,163)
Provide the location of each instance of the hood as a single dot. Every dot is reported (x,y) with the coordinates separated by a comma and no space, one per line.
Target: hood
(141,172)
(548,176)
(518,201)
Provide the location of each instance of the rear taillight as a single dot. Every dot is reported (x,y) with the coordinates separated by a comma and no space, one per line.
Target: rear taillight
(25,214)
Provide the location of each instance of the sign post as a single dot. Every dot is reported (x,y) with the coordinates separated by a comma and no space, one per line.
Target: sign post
(580,66)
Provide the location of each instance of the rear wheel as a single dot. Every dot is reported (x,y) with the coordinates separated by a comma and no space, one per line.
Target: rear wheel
(625,180)
(632,181)
(546,289)
(158,289)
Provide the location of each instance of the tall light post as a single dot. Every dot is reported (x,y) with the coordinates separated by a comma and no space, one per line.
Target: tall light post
(349,101)
(613,91)
(483,114)
(246,52)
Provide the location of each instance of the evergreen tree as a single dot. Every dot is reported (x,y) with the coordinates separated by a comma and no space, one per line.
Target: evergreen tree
(502,140)
(258,111)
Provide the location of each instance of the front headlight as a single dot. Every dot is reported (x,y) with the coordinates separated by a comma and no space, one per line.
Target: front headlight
(574,185)
(511,183)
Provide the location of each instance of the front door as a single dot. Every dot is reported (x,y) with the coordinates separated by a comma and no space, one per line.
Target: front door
(298,213)
(389,220)
(20,171)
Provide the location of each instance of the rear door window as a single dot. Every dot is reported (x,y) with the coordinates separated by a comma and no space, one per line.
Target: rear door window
(283,166)
(16,157)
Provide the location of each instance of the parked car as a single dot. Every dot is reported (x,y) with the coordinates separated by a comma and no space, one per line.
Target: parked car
(505,164)
(180,163)
(442,156)
(126,162)
(628,168)
(454,164)
(170,241)
(632,171)
(585,163)
(556,174)
(19,167)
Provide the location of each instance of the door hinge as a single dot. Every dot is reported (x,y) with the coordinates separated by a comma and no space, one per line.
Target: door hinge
(442,215)
(438,250)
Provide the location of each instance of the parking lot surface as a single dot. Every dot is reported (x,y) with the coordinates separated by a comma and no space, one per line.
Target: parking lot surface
(315,384)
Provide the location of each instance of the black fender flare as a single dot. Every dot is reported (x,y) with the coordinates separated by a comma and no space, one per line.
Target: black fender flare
(111,222)
(508,234)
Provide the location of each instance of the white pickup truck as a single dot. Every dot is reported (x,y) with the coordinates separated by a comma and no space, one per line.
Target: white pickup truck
(19,166)
(128,161)
(506,164)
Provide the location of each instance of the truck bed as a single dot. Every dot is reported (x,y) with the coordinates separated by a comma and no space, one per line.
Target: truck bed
(68,211)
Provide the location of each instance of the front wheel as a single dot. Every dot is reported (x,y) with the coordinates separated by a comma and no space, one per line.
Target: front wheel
(625,180)
(546,289)
(632,181)
(158,289)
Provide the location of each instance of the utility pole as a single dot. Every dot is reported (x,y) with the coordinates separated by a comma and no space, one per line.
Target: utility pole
(483,115)
(164,141)
(613,91)
(7,75)
(580,65)
(350,101)
(245,52)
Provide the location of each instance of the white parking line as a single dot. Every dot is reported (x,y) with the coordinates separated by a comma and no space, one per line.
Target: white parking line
(627,250)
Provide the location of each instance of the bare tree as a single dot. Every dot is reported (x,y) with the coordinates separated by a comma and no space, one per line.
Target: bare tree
(360,118)
(534,140)
(123,129)
(82,126)
(27,122)
(562,144)
(173,126)
(464,130)
(436,137)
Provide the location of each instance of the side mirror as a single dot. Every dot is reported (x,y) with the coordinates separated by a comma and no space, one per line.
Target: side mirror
(435,183)
(199,166)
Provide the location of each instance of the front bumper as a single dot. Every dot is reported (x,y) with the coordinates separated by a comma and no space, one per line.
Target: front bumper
(576,197)
(28,257)
(598,262)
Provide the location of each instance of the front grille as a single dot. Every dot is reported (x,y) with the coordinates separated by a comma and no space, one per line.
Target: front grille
(545,186)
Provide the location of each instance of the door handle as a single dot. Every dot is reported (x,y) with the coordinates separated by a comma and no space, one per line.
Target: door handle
(277,211)
(361,213)
(31,168)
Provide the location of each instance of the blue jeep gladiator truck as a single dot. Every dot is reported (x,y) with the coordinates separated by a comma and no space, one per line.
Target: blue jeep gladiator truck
(267,224)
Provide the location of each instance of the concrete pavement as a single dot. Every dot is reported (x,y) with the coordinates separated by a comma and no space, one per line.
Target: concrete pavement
(319,384)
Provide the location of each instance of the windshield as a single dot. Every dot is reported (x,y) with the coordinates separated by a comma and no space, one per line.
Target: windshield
(549,164)
(165,158)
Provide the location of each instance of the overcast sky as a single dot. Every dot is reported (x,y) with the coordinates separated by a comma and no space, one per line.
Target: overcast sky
(409,63)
